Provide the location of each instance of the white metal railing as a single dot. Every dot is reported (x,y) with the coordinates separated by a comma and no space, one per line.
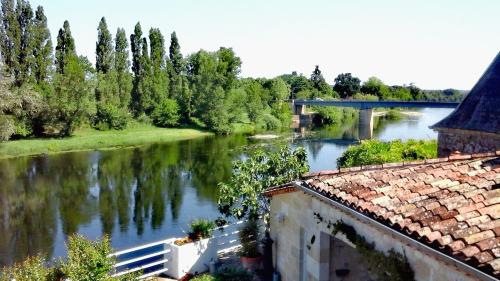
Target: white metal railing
(155,258)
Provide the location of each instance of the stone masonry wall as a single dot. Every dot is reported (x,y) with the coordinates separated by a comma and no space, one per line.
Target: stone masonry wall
(291,212)
(466,142)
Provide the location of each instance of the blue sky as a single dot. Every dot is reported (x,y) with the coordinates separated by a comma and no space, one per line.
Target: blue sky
(432,43)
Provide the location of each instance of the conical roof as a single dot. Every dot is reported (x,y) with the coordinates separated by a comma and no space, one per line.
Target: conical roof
(480,110)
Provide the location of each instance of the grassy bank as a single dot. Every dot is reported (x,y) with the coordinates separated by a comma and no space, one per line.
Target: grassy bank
(89,139)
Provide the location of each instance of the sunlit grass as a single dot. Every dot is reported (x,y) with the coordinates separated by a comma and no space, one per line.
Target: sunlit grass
(90,139)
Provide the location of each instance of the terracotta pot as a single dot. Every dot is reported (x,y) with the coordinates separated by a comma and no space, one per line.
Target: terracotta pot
(251,264)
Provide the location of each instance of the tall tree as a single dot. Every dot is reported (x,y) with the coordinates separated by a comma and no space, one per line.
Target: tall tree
(175,55)
(159,78)
(347,85)
(65,47)
(317,78)
(104,48)
(42,47)
(24,55)
(72,99)
(137,69)
(122,65)
(11,36)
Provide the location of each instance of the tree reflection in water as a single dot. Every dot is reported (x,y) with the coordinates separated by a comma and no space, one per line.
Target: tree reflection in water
(136,189)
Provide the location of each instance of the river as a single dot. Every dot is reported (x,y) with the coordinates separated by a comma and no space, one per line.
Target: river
(143,194)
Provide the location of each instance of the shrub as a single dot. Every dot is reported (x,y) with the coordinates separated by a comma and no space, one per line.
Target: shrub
(201,229)
(204,277)
(110,117)
(250,238)
(233,274)
(33,268)
(269,122)
(87,260)
(166,114)
(360,96)
(377,152)
(393,115)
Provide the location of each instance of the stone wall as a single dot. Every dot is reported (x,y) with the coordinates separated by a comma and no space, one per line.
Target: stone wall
(293,223)
(466,142)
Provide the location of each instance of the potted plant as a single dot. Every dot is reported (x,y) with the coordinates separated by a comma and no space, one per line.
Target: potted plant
(251,257)
(192,254)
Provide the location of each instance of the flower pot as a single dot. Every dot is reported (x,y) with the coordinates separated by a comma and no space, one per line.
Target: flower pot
(251,264)
(192,258)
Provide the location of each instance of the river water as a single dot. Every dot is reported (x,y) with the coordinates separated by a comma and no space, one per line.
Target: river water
(143,194)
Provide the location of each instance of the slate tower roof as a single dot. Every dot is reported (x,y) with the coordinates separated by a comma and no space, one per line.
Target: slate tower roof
(480,110)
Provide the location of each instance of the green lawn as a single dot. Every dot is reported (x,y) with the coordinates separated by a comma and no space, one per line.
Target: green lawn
(89,139)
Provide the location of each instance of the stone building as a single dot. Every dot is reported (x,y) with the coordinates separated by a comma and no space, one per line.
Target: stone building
(442,215)
(474,126)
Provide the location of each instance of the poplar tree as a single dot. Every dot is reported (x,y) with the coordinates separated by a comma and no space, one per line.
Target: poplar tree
(137,69)
(159,79)
(122,65)
(65,47)
(10,36)
(175,55)
(24,51)
(104,48)
(42,47)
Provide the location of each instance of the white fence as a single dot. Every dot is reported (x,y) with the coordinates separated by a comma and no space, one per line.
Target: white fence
(156,258)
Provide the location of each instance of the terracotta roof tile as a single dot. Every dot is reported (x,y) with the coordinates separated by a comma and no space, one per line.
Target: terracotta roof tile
(451,205)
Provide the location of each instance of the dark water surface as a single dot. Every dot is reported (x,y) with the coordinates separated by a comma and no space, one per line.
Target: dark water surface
(144,194)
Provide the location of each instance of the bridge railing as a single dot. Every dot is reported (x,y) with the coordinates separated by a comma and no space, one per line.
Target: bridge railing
(156,258)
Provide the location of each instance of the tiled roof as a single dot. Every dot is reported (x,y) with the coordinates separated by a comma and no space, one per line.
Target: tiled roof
(452,206)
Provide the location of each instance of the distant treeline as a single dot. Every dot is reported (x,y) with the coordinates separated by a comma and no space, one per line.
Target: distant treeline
(347,86)
(47,92)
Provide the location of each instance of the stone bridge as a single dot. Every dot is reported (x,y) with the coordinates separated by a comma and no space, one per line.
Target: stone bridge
(366,109)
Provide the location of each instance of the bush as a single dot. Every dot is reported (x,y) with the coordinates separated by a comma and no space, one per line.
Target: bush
(87,260)
(166,114)
(365,97)
(201,229)
(393,115)
(110,117)
(204,277)
(250,238)
(233,274)
(269,122)
(377,152)
(33,268)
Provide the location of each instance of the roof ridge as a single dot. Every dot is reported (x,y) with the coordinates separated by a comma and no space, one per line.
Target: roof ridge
(452,157)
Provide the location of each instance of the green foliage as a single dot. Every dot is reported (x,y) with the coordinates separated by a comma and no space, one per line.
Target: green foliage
(297,83)
(326,115)
(242,195)
(250,239)
(109,117)
(378,152)
(204,277)
(31,269)
(87,260)
(72,100)
(104,48)
(166,114)
(42,47)
(201,229)
(393,115)
(346,85)
(367,97)
(233,274)
(65,48)
(226,274)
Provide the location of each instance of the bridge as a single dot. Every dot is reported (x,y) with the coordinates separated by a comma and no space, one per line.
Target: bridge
(366,109)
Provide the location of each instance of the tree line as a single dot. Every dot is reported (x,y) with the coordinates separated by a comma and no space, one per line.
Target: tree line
(47,91)
(347,86)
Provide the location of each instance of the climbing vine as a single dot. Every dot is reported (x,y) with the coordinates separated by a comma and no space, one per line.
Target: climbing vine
(392,266)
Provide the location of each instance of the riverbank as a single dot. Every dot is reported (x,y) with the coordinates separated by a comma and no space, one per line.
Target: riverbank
(90,139)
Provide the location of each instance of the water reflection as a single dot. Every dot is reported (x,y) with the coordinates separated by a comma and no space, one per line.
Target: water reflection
(129,191)
(145,194)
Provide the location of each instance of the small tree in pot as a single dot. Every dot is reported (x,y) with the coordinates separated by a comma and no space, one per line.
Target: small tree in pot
(251,257)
